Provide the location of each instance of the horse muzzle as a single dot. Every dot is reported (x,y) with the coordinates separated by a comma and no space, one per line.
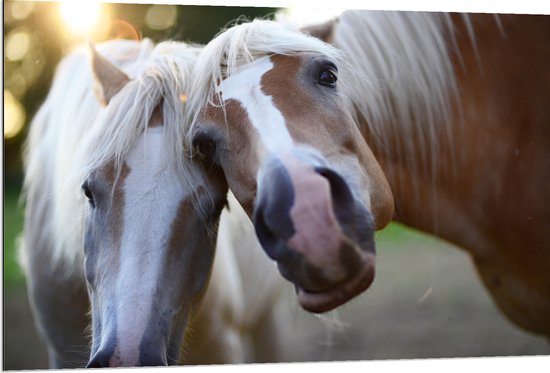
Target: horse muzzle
(110,356)
(321,237)
(102,359)
(119,341)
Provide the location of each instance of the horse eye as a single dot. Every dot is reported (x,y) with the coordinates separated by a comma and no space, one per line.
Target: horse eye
(327,76)
(204,146)
(88,194)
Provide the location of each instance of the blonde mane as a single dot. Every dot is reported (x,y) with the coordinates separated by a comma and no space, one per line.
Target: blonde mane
(395,68)
(242,44)
(403,81)
(396,74)
(72,135)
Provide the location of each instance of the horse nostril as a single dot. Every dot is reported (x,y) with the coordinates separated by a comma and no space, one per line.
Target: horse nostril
(99,360)
(152,361)
(343,201)
(274,244)
(271,215)
(93,364)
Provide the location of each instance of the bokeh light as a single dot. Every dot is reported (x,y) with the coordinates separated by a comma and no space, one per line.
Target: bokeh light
(17,45)
(161,17)
(121,29)
(20,10)
(17,83)
(14,115)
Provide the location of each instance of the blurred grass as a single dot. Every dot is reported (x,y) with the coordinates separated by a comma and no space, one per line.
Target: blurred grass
(13,225)
(397,233)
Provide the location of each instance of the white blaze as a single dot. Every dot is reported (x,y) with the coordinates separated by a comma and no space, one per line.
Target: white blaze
(152,196)
(245,87)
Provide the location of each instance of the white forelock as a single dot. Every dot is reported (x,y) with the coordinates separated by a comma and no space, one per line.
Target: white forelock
(242,44)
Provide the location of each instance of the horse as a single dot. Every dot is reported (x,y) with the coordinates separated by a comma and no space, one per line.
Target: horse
(438,121)
(120,224)
(315,198)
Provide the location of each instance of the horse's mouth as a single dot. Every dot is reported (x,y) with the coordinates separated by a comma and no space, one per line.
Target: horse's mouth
(324,301)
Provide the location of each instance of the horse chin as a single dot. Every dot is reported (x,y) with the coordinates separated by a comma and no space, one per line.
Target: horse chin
(361,264)
(327,300)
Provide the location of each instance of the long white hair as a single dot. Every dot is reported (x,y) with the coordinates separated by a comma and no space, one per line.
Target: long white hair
(403,80)
(71,135)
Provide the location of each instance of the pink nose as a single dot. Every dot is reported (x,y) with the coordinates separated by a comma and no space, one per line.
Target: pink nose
(308,221)
(318,236)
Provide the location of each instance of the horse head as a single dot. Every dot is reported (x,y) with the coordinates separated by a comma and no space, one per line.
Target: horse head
(151,215)
(271,116)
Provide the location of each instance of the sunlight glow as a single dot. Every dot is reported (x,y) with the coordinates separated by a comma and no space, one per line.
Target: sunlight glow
(14,115)
(311,16)
(81,17)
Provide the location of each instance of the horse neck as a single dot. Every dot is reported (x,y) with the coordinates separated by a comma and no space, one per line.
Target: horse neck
(401,75)
(400,89)
(440,189)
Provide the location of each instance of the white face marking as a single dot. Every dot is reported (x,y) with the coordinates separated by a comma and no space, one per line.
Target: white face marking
(245,87)
(152,196)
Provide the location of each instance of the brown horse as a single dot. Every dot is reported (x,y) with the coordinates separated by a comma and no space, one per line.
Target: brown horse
(453,109)
(315,202)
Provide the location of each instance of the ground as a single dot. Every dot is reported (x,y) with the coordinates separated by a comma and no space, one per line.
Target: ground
(426,302)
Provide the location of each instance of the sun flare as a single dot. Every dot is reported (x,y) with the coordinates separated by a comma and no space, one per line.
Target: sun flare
(81,17)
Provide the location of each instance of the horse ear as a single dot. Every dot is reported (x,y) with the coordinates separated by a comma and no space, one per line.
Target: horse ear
(108,79)
(323,31)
